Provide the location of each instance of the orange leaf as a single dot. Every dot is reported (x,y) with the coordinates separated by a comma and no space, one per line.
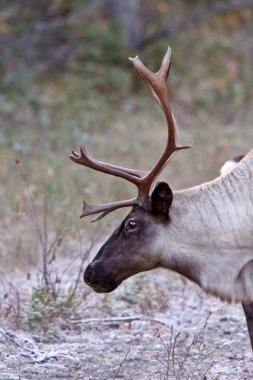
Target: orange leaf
(151,356)
(164,333)
(163,7)
(124,326)
(232,20)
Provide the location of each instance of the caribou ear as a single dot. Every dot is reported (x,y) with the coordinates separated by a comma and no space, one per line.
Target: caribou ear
(161,199)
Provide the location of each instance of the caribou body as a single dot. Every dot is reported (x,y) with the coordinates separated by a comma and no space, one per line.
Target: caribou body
(204,233)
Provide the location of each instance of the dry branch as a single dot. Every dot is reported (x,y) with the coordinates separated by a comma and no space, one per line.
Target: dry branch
(35,354)
(134,318)
(121,364)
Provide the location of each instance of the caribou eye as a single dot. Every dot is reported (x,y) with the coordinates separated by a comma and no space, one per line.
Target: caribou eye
(131,225)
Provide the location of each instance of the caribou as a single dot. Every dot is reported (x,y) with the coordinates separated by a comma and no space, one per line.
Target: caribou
(205,233)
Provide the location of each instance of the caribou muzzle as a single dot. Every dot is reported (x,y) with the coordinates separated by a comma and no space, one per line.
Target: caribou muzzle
(99,279)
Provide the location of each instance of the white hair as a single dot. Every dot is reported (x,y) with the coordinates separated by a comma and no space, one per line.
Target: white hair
(230,165)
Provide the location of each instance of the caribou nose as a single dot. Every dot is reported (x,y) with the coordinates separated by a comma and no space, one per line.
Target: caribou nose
(88,274)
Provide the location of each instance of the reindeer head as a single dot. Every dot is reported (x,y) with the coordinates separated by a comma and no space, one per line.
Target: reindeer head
(137,244)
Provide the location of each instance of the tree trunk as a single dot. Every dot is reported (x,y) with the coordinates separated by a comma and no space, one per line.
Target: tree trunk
(126,13)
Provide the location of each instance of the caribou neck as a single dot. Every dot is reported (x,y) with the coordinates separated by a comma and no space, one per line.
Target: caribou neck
(210,236)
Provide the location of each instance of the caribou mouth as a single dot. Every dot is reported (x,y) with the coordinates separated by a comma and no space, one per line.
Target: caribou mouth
(100,282)
(99,286)
(103,288)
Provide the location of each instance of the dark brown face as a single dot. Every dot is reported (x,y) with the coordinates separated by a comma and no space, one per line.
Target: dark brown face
(134,246)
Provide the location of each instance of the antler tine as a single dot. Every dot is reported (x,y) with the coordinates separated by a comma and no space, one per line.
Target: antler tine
(146,74)
(157,83)
(85,159)
(104,209)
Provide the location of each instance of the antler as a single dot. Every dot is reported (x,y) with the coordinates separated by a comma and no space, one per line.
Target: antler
(157,83)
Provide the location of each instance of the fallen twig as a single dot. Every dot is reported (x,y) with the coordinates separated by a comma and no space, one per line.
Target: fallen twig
(120,319)
(37,356)
(43,357)
(8,337)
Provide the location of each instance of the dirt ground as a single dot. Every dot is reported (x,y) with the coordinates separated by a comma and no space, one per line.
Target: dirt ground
(127,335)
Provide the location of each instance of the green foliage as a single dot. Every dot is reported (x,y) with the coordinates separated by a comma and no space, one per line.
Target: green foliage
(82,39)
(52,39)
(44,309)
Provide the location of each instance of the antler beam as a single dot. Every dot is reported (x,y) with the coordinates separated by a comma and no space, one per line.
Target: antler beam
(157,83)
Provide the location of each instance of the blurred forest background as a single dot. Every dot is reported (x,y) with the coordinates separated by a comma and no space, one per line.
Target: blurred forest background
(66,80)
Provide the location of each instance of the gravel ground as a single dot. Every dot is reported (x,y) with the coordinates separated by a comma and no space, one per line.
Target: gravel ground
(95,348)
